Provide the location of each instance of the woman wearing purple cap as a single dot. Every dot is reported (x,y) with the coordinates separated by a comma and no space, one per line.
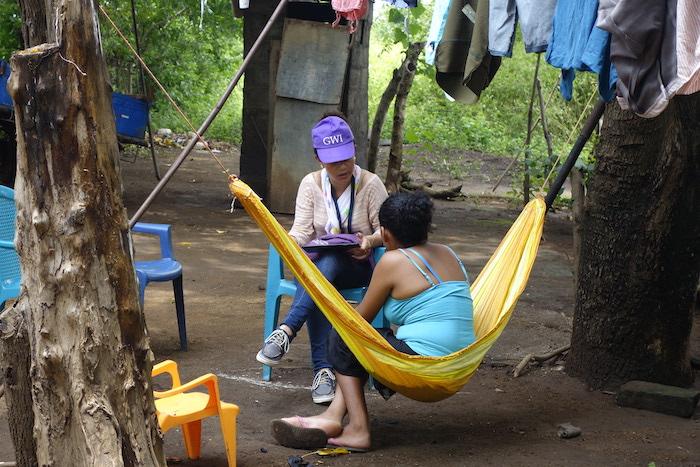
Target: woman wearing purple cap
(339,198)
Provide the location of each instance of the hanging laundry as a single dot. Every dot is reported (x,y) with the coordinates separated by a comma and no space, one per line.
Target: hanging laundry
(688,46)
(643,49)
(577,44)
(352,10)
(535,17)
(403,3)
(464,67)
(437,29)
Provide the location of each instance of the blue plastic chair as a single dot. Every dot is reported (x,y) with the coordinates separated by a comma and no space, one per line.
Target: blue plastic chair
(165,269)
(9,261)
(277,286)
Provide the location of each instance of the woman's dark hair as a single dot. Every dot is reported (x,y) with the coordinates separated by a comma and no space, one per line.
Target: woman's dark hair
(407,216)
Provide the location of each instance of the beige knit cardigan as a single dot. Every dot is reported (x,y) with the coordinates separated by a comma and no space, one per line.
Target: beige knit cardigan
(310,215)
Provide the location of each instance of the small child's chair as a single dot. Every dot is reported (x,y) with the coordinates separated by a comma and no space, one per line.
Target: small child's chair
(164,269)
(277,286)
(9,261)
(176,407)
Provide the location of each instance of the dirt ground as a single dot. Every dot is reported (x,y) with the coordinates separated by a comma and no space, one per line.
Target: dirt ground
(495,420)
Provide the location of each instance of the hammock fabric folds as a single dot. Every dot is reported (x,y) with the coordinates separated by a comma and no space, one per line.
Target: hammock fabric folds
(495,293)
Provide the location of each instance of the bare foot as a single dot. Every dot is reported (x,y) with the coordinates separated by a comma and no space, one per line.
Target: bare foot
(352,439)
(329,426)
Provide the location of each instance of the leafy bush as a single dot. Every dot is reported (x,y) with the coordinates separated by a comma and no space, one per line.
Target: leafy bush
(10,24)
(194,64)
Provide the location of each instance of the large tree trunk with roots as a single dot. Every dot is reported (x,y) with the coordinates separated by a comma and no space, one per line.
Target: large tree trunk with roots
(640,247)
(90,359)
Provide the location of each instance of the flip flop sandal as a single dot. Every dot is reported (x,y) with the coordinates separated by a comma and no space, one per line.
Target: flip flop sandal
(292,436)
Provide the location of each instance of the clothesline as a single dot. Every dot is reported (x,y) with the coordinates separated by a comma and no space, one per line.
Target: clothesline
(466,45)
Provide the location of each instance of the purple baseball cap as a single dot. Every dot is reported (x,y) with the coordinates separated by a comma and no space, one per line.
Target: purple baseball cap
(332,139)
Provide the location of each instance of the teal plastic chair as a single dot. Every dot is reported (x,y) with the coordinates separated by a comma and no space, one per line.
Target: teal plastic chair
(9,261)
(277,286)
(164,269)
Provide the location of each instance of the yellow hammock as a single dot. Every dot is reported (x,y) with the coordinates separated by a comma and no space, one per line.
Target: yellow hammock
(495,293)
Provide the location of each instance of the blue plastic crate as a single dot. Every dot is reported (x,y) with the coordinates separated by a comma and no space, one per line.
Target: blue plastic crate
(5,100)
(131,115)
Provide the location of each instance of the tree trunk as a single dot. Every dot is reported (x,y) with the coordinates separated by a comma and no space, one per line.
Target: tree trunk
(380,116)
(640,247)
(15,365)
(578,194)
(34,22)
(393,171)
(90,358)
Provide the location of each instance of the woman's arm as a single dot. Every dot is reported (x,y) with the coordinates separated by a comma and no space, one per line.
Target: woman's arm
(376,196)
(303,228)
(380,286)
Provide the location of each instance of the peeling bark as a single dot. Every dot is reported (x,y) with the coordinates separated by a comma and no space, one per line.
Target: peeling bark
(90,356)
(640,247)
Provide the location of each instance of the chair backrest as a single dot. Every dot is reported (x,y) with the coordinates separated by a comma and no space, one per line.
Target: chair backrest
(164,233)
(9,261)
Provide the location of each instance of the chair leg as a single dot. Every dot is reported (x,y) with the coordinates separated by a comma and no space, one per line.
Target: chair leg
(227,418)
(272,310)
(143,282)
(192,432)
(180,310)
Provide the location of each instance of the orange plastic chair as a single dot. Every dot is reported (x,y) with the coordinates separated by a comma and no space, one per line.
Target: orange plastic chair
(187,409)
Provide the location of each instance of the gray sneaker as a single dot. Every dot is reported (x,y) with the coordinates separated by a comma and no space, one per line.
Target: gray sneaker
(323,387)
(274,348)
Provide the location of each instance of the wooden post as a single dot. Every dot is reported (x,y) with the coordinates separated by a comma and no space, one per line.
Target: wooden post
(255,168)
(355,99)
(528,137)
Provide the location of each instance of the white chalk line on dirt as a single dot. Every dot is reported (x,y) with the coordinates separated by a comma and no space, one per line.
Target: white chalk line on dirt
(293,387)
(265,384)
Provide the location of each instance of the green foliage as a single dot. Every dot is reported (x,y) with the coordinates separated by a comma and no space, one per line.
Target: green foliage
(10,24)
(402,25)
(194,65)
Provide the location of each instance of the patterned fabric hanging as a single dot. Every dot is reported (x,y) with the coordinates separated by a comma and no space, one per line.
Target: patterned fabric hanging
(351,10)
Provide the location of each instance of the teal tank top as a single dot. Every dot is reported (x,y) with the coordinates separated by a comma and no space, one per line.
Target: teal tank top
(437,321)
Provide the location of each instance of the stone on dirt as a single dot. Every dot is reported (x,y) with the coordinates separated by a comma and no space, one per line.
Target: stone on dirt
(567,431)
(670,400)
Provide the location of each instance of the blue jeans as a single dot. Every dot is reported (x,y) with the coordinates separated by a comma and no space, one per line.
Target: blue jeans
(344,273)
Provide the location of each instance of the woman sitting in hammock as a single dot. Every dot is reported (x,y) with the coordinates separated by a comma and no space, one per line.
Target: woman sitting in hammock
(424,289)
